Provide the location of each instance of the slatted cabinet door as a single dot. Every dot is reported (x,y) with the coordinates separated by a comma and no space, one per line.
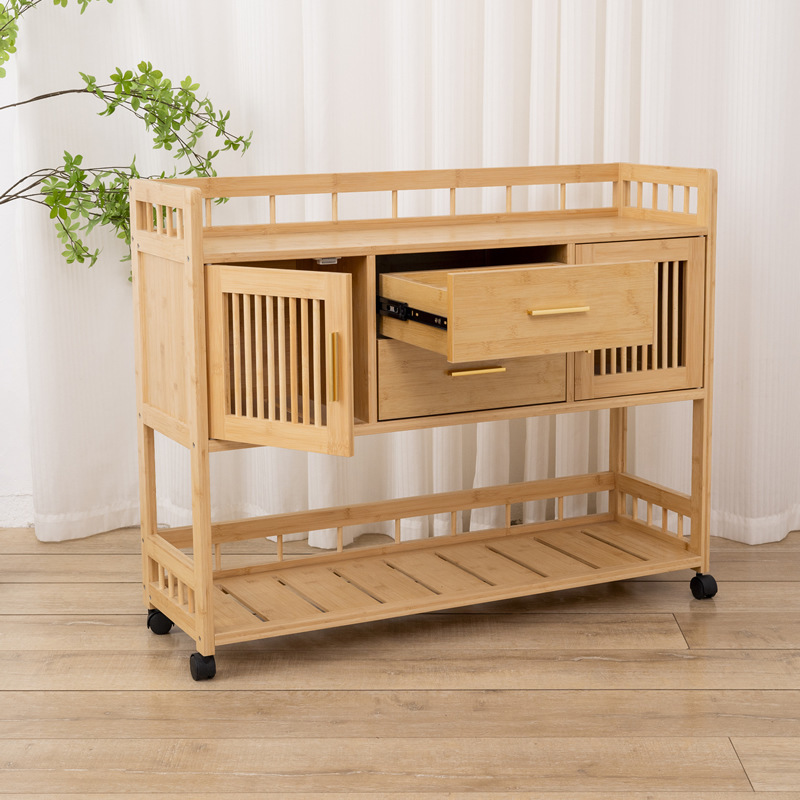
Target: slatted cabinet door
(280,358)
(675,359)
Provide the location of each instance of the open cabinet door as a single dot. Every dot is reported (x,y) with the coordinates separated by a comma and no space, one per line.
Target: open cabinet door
(280,358)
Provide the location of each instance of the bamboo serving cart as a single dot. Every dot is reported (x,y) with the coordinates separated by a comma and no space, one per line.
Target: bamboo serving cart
(305,335)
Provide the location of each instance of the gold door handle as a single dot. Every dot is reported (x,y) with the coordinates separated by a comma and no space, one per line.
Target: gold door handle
(333,368)
(554,312)
(456,373)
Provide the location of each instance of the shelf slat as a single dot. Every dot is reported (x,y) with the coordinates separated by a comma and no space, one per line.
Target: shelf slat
(302,596)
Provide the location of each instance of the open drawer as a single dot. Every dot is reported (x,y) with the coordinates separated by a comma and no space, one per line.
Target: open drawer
(521,310)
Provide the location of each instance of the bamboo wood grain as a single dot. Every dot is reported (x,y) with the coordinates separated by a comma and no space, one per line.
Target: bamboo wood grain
(368,513)
(414,382)
(257,244)
(395,181)
(471,568)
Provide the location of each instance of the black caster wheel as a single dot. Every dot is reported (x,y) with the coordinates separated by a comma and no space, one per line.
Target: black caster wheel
(703,586)
(158,622)
(203,668)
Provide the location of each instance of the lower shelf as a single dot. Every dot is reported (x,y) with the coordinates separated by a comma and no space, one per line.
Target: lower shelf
(348,588)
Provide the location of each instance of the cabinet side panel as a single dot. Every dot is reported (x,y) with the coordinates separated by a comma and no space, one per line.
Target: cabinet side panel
(161,299)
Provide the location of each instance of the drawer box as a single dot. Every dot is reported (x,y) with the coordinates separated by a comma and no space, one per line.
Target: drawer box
(413,382)
(534,309)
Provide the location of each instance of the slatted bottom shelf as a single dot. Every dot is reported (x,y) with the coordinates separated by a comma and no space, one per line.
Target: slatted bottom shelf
(352,587)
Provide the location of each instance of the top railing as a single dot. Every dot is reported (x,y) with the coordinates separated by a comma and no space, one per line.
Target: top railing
(668,194)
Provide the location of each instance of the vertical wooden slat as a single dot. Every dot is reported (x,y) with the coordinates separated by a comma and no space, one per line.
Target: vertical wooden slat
(560,511)
(508,199)
(339,539)
(680,525)
(452,202)
(397,530)
(649,513)
(453,523)
(237,356)
(170,223)
(316,320)
(159,219)
(664,315)
(272,214)
(603,361)
(685,199)
(612,358)
(247,383)
(179,231)
(334,206)
(282,388)
(670,198)
(208,212)
(394,203)
(270,358)
(508,516)
(218,556)
(562,202)
(623,359)
(259,355)
(293,381)
(654,201)
(190,599)
(305,358)
(676,294)
(280,547)
(664,520)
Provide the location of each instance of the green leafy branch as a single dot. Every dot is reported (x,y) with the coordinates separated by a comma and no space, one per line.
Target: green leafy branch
(80,198)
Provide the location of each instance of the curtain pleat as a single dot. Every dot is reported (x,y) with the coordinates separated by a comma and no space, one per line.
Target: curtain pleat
(340,85)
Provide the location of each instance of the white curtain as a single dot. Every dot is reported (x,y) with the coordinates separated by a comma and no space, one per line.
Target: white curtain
(340,85)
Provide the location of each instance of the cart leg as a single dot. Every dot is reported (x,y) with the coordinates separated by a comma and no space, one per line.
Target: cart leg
(700,540)
(617,455)
(202,548)
(147,504)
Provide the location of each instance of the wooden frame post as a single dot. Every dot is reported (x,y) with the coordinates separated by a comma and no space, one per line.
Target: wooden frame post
(617,456)
(197,418)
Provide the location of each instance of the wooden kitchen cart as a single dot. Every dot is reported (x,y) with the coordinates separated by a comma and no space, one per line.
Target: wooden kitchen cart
(304,335)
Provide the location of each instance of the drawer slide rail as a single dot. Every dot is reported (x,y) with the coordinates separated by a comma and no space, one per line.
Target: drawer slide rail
(402,311)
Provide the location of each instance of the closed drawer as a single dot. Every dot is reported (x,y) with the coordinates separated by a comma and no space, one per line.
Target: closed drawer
(512,312)
(413,382)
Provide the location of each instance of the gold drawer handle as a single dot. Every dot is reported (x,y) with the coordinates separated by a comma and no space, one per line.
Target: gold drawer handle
(456,373)
(553,312)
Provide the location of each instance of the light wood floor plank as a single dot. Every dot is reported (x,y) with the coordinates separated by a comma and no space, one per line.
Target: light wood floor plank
(483,795)
(740,630)
(362,765)
(74,598)
(408,714)
(586,694)
(772,763)
(424,631)
(431,670)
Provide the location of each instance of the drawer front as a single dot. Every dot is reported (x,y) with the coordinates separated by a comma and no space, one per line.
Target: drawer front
(674,358)
(529,310)
(413,382)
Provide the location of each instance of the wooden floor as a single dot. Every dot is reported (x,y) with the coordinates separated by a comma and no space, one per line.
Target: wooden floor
(625,690)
